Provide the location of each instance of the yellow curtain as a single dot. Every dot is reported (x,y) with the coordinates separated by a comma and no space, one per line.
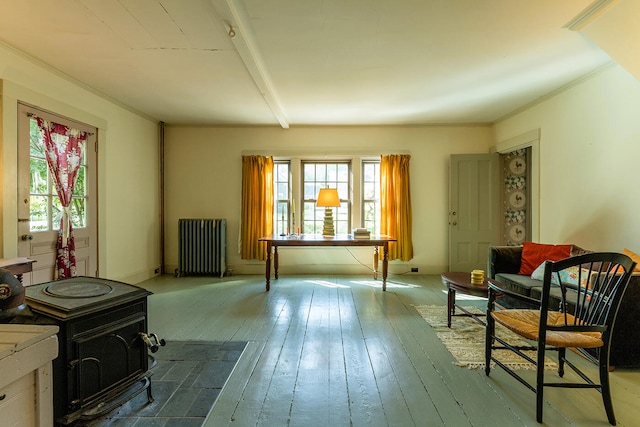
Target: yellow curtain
(395,204)
(257,205)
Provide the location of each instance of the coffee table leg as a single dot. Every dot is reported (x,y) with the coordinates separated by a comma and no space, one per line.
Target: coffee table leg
(451,305)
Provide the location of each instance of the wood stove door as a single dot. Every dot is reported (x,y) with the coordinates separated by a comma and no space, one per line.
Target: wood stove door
(107,361)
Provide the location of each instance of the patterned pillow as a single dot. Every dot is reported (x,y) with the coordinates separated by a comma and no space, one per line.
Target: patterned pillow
(568,276)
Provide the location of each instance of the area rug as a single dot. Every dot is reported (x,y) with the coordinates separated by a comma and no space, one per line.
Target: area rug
(465,340)
(186,380)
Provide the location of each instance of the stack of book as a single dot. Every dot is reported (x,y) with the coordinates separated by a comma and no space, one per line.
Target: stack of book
(361,233)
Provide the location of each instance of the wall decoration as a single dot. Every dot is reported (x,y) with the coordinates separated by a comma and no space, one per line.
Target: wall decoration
(515,202)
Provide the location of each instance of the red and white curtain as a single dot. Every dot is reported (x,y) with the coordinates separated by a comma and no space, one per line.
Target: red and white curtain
(63,150)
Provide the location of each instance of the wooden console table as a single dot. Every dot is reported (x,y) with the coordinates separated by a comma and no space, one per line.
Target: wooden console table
(302,240)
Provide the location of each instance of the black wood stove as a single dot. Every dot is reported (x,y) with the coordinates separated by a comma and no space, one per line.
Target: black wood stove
(103,345)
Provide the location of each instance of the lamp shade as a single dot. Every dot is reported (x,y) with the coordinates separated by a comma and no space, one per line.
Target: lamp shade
(328,197)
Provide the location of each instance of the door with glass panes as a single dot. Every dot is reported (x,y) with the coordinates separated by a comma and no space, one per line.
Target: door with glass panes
(39,208)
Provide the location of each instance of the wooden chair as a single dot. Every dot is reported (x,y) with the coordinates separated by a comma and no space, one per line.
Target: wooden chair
(590,287)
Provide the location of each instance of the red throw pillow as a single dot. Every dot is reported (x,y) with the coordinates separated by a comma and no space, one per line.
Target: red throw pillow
(534,254)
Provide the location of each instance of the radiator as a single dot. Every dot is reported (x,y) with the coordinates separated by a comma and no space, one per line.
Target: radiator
(202,247)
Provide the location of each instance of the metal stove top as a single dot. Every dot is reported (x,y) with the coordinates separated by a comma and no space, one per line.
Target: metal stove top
(80,295)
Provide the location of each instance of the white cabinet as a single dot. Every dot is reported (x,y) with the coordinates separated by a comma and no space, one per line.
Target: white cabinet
(26,378)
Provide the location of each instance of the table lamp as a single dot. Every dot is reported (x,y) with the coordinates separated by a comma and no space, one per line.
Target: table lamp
(327,199)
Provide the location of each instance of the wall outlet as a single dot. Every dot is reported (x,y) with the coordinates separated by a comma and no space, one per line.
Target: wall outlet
(414,269)
(157,271)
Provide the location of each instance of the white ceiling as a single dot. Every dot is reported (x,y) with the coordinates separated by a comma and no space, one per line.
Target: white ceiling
(309,62)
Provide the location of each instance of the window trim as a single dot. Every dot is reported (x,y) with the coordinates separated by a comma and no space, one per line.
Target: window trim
(296,161)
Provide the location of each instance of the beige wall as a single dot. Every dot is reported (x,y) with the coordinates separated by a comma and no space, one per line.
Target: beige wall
(589,151)
(128,172)
(203,180)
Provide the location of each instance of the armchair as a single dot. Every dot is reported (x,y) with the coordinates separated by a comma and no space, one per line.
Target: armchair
(591,288)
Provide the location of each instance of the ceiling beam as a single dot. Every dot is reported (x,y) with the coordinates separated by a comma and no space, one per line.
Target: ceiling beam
(592,11)
(243,39)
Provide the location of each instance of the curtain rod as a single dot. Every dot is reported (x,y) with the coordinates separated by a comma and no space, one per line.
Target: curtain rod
(30,114)
(324,152)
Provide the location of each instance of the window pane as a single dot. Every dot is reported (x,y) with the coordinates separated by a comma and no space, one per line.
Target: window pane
(367,172)
(35,146)
(343,173)
(282,189)
(332,172)
(343,190)
(309,172)
(56,213)
(78,213)
(38,176)
(282,172)
(83,154)
(39,213)
(80,188)
(309,191)
(369,190)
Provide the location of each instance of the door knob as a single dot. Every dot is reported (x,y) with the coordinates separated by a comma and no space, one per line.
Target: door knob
(27,237)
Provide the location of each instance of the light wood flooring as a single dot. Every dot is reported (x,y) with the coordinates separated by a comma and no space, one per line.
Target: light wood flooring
(338,351)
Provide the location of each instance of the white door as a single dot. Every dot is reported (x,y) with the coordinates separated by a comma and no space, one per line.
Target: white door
(473,210)
(39,208)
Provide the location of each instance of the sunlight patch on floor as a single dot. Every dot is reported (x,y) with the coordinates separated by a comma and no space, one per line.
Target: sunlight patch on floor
(378,284)
(327,284)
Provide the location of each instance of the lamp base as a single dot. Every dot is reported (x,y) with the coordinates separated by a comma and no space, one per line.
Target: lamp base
(327,229)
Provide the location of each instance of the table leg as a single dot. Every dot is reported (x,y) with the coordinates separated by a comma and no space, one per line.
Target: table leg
(385,264)
(375,262)
(451,304)
(267,272)
(275,261)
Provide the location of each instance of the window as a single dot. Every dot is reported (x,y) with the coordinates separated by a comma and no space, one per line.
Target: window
(317,175)
(282,189)
(296,177)
(371,196)
(45,206)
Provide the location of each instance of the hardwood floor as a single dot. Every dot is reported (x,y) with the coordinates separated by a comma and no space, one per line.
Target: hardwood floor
(337,351)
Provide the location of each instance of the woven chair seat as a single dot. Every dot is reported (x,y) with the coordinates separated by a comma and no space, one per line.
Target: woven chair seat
(527,324)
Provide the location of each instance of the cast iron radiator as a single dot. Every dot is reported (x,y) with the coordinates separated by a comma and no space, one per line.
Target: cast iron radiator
(202,246)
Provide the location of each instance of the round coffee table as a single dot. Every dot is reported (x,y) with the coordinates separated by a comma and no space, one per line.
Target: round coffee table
(456,281)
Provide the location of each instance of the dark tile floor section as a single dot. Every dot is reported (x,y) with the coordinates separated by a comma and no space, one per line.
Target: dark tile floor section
(185,383)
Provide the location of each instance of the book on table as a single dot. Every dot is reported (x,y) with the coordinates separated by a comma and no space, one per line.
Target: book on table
(361,233)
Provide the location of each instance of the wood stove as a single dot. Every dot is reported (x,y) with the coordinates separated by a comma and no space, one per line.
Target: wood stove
(103,346)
